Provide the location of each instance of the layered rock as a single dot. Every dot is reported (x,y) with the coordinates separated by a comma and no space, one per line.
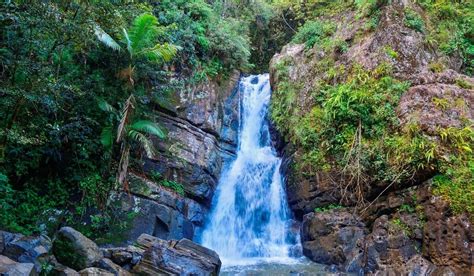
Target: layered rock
(176,257)
(71,249)
(202,124)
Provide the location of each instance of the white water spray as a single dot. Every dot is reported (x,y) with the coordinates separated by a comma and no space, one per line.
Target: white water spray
(250,214)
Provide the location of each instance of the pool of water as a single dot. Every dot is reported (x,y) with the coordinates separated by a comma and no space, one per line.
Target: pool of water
(273,267)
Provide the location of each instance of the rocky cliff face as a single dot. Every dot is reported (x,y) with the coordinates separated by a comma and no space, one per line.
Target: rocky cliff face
(403,228)
(202,129)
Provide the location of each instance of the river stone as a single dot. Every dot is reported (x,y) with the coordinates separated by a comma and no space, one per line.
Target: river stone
(176,257)
(331,237)
(94,271)
(73,249)
(111,267)
(9,267)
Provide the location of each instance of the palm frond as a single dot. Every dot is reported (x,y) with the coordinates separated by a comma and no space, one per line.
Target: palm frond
(123,166)
(161,52)
(128,42)
(126,113)
(144,141)
(148,127)
(106,137)
(106,38)
(143,31)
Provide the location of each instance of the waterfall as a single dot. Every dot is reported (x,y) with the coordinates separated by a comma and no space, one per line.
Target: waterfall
(249,216)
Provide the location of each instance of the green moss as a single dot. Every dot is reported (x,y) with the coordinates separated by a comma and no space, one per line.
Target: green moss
(414,21)
(313,32)
(327,208)
(67,254)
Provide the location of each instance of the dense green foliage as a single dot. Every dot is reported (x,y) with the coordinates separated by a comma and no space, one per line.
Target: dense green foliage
(345,122)
(79,81)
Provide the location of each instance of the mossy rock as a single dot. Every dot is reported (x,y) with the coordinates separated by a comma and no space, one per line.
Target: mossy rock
(75,250)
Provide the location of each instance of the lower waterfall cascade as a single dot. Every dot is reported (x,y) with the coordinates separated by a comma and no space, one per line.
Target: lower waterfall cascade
(250,217)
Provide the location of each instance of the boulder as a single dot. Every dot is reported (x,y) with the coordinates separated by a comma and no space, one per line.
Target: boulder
(75,250)
(9,267)
(111,267)
(126,257)
(176,257)
(331,237)
(438,101)
(25,249)
(94,271)
(390,248)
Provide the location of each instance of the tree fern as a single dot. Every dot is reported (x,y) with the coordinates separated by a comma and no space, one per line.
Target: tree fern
(106,38)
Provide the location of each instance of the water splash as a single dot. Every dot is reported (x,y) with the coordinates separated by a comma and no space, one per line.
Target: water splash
(250,214)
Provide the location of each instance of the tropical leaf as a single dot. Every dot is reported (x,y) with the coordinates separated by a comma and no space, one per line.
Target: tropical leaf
(148,127)
(106,137)
(106,38)
(126,113)
(161,52)
(144,141)
(128,42)
(123,166)
(105,106)
(143,31)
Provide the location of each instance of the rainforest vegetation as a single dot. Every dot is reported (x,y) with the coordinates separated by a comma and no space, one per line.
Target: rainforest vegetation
(80,81)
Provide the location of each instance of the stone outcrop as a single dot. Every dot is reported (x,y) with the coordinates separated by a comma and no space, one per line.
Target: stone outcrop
(25,249)
(202,124)
(408,230)
(8,267)
(331,237)
(74,255)
(438,101)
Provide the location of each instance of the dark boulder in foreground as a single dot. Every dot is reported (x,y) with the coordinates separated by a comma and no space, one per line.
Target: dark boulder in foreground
(176,257)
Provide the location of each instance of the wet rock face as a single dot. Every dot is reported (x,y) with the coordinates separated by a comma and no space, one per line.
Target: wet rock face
(202,125)
(10,267)
(25,249)
(161,212)
(202,131)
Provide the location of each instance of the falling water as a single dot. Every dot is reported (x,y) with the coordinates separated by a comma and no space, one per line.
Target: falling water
(250,214)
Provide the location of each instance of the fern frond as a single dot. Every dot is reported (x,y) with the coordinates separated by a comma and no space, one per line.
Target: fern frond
(149,128)
(106,38)
(143,31)
(161,52)
(106,138)
(144,141)
(128,42)
(126,113)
